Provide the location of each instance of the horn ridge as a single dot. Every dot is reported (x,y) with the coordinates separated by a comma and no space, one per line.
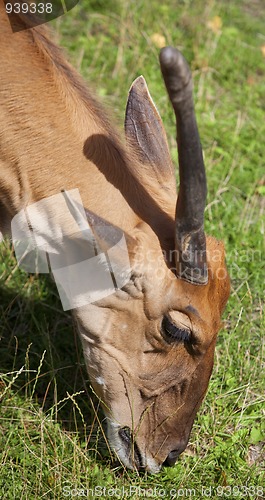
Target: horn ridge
(190,241)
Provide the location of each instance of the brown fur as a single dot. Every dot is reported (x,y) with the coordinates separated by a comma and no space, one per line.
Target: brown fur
(53,136)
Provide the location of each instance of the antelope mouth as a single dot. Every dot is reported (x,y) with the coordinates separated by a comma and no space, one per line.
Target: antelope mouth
(122,442)
(131,448)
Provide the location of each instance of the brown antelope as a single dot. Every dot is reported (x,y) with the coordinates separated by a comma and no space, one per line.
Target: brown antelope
(149,347)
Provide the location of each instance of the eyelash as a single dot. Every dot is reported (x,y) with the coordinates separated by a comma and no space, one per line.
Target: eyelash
(173,333)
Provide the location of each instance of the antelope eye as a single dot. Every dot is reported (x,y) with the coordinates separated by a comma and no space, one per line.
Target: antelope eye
(172,333)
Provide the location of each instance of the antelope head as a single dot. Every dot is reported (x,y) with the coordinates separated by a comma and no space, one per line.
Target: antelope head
(149,347)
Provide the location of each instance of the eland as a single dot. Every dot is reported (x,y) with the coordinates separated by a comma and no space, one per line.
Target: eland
(148,344)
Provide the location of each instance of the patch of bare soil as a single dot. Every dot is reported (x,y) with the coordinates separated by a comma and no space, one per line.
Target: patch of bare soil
(256,453)
(254,8)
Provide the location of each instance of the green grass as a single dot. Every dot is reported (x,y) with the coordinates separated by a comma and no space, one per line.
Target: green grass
(50,424)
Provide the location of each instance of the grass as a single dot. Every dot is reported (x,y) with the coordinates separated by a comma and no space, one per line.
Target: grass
(51,437)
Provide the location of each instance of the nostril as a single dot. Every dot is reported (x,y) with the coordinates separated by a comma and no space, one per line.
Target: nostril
(174,454)
(172,458)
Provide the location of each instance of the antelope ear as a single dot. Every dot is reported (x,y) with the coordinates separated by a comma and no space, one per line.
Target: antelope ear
(145,131)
